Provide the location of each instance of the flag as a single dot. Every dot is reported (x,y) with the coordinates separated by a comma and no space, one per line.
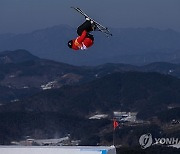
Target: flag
(115,124)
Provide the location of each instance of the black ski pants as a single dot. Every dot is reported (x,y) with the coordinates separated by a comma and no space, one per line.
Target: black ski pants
(85,26)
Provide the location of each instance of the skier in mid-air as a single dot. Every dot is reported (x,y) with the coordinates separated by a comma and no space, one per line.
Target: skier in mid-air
(84,39)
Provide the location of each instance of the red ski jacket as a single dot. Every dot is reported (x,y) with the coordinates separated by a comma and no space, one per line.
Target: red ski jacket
(82,42)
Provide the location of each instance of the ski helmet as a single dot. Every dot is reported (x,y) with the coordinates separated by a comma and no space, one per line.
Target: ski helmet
(70,43)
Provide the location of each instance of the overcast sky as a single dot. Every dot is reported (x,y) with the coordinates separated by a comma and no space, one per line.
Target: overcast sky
(22,16)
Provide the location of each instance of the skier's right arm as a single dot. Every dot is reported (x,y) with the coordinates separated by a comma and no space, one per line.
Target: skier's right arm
(81,38)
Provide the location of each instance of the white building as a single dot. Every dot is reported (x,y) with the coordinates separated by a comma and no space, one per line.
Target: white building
(125,116)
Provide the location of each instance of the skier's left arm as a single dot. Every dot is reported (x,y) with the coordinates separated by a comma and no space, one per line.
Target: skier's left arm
(81,38)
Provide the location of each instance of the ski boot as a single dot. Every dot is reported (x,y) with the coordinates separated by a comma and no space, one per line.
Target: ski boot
(93,25)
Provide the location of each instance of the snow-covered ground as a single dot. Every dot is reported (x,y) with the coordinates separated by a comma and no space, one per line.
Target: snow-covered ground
(49,85)
(99,116)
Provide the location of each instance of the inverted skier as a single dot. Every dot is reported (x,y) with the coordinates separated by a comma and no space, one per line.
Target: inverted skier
(84,39)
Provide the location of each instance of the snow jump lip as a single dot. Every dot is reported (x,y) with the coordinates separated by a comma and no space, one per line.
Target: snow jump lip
(57,149)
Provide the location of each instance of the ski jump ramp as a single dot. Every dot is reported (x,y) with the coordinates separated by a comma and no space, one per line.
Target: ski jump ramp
(57,150)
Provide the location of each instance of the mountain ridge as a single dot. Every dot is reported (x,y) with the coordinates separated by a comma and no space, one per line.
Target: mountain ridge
(17,56)
(128,45)
(128,91)
(22,71)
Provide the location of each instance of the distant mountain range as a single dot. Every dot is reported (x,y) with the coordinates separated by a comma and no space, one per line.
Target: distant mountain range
(21,73)
(128,45)
(41,98)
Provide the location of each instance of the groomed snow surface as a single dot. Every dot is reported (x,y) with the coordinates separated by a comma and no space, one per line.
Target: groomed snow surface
(57,150)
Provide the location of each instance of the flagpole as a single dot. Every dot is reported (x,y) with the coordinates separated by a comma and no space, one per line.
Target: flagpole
(115,124)
(113,136)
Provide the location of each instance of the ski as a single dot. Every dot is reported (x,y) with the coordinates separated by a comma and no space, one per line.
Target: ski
(100,27)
